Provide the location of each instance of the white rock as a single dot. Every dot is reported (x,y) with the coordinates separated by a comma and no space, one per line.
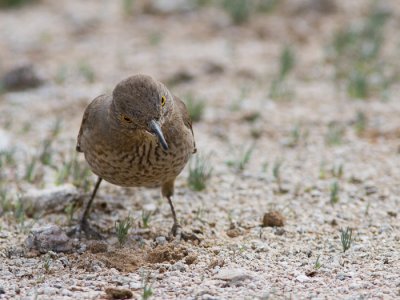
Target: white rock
(4,140)
(50,200)
(233,274)
(302,278)
(170,6)
(48,238)
(49,291)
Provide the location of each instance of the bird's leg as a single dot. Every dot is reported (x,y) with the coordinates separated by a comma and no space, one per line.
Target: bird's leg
(89,204)
(167,190)
(83,223)
(176,225)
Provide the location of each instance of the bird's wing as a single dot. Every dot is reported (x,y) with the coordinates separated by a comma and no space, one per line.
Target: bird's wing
(186,118)
(85,118)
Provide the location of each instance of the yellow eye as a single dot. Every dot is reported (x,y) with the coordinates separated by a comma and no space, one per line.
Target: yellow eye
(163,99)
(126,119)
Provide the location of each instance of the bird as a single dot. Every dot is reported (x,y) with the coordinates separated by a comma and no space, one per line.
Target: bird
(140,135)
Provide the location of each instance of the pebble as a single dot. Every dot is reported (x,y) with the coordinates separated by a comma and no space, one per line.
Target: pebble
(51,200)
(5,140)
(169,6)
(20,78)
(161,240)
(118,293)
(65,292)
(302,278)
(233,275)
(49,291)
(178,266)
(273,219)
(48,238)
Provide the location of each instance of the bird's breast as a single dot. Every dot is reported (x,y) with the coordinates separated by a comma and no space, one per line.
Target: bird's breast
(138,162)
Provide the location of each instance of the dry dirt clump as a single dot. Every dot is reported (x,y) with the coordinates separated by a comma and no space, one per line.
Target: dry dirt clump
(116,293)
(124,260)
(273,219)
(167,253)
(128,259)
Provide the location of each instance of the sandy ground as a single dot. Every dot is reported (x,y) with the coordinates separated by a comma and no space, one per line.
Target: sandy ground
(83,48)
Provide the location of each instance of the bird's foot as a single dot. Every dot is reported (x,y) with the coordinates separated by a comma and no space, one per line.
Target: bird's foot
(179,234)
(84,227)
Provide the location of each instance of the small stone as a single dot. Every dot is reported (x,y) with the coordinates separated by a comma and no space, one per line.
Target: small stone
(234,232)
(279,231)
(386,261)
(2,291)
(216,263)
(65,292)
(334,222)
(51,200)
(117,293)
(65,262)
(81,249)
(211,67)
(98,247)
(4,235)
(273,219)
(149,207)
(232,275)
(311,273)
(342,276)
(190,259)
(181,76)
(161,240)
(370,190)
(168,6)
(392,214)
(20,78)
(48,238)
(302,278)
(49,291)
(178,266)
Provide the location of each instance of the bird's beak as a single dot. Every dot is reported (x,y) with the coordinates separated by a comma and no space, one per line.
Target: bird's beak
(156,129)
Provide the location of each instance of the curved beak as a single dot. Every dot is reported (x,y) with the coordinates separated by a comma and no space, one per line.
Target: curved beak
(156,129)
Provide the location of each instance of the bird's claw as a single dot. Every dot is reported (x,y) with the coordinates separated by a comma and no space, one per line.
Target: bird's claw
(85,227)
(179,234)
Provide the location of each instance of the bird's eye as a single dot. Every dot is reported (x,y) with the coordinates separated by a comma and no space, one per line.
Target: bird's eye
(163,100)
(126,119)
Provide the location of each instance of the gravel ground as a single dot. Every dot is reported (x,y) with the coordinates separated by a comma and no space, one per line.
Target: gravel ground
(303,145)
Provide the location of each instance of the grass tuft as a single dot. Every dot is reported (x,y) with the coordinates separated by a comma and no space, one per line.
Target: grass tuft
(317,264)
(195,107)
(199,172)
(122,228)
(335,134)
(346,237)
(242,158)
(361,123)
(335,190)
(356,52)
(146,218)
(279,88)
(147,287)
(240,11)
(76,171)
(86,71)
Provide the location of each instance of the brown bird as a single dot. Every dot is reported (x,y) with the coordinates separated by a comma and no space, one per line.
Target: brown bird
(141,135)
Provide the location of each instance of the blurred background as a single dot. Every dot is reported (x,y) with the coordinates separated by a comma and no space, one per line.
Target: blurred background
(248,70)
(305,82)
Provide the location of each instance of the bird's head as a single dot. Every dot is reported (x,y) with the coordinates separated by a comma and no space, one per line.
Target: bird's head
(140,102)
